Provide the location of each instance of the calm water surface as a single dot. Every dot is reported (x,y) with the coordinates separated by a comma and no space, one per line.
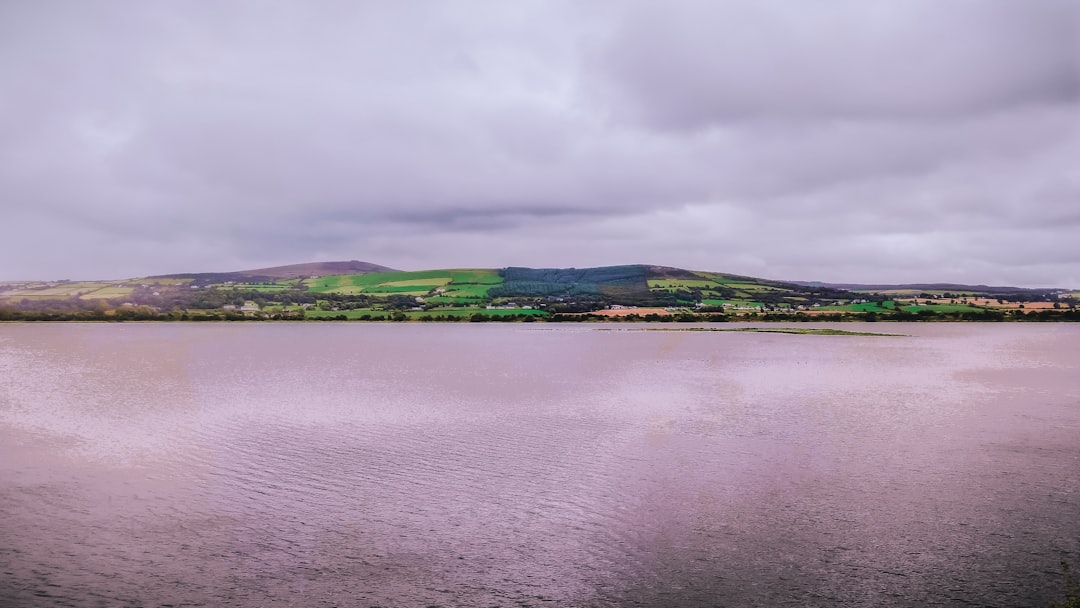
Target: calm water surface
(536,465)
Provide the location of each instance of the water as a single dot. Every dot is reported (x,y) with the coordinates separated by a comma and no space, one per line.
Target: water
(536,465)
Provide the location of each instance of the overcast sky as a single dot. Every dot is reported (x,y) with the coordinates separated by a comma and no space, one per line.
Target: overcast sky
(834,140)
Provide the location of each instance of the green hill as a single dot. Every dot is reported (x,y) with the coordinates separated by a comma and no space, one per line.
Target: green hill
(368,291)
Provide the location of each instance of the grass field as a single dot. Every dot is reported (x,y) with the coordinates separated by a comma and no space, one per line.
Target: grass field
(460,283)
(717,278)
(83,289)
(106,293)
(754,287)
(349,314)
(416,314)
(943,308)
(399,290)
(750,303)
(915,292)
(887,306)
(455,299)
(154,281)
(260,287)
(430,283)
(670,284)
(466,312)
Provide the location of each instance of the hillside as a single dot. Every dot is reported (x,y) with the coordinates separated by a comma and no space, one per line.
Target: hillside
(915,288)
(361,290)
(291,271)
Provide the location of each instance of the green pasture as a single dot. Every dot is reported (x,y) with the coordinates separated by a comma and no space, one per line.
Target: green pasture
(469,281)
(862,307)
(466,290)
(260,287)
(943,308)
(670,284)
(469,311)
(30,296)
(349,314)
(915,292)
(460,300)
(753,287)
(69,290)
(106,293)
(428,283)
(716,277)
(713,302)
(416,314)
(398,290)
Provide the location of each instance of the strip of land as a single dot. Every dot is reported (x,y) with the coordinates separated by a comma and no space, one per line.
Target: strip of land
(361,291)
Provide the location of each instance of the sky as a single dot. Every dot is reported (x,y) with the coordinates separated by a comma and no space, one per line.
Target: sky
(833,140)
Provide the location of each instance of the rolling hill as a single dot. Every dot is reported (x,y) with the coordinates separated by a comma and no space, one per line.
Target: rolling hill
(362,290)
(291,271)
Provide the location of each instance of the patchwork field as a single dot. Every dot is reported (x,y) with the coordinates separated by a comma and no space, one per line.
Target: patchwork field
(673,284)
(456,283)
(630,289)
(83,289)
(626,312)
(108,293)
(416,314)
(736,303)
(942,308)
(886,306)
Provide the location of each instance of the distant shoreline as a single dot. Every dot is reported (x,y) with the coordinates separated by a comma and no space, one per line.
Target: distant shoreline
(1067,316)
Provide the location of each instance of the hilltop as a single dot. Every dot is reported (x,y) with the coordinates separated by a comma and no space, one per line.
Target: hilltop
(292,271)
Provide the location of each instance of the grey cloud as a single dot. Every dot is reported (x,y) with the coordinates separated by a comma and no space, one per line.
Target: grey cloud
(776,139)
(695,64)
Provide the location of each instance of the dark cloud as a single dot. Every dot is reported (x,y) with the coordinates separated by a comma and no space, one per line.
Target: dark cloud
(837,140)
(709,62)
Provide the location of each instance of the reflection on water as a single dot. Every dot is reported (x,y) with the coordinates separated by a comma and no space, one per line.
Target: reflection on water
(516,465)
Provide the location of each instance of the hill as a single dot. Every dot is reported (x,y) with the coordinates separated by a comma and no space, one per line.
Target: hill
(292,271)
(958,288)
(361,290)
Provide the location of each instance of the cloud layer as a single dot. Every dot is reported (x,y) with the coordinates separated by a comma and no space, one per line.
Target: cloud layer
(841,140)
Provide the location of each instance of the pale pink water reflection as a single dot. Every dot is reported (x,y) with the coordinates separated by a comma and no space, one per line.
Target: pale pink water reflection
(533,465)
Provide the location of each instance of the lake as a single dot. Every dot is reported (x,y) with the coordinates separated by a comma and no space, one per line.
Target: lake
(353,464)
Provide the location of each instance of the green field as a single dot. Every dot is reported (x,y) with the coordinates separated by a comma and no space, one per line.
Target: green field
(108,293)
(455,299)
(754,287)
(158,281)
(434,282)
(260,287)
(718,278)
(748,303)
(83,289)
(416,314)
(887,306)
(943,308)
(349,314)
(671,284)
(399,290)
(467,312)
(456,282)
(915,292)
